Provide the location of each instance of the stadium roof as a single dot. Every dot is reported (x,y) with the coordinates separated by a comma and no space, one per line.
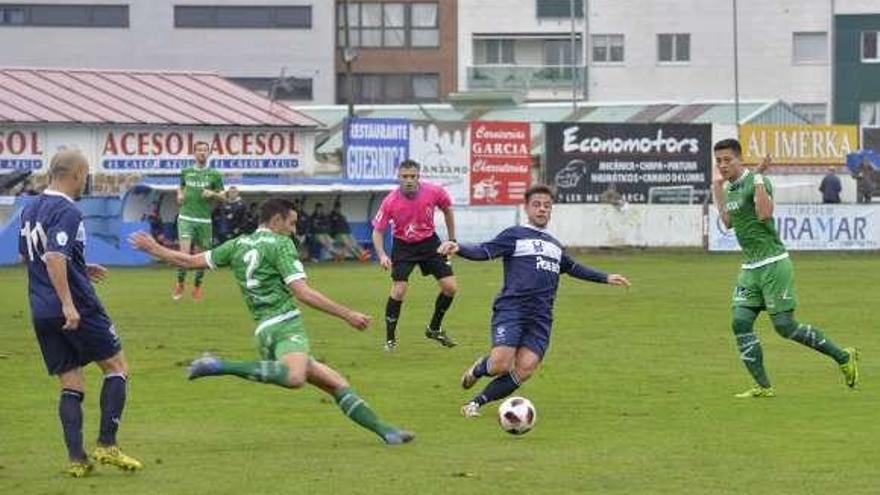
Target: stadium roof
(74,96)
(698,112)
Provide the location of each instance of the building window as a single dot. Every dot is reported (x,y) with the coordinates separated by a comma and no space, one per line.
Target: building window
(607,47)
(810,48)
(558,8)
(389,25)
(869,113)
(12,16)
(243,17)
(870,53)
(557,53)
(275,88)
(673,48)
(64,15)
(494,52)
(390,88)
(814,112)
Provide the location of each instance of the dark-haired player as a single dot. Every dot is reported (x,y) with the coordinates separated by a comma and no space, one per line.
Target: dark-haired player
(523,311)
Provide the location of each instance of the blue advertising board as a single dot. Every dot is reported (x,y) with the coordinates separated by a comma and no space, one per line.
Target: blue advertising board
(374,148)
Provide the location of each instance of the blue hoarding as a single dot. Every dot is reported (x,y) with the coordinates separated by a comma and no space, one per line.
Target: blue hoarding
(375,147)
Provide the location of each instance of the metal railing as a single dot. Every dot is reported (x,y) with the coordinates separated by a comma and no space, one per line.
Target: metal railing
(523,76)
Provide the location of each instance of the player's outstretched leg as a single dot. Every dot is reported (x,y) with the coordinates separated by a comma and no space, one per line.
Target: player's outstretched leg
(750,352)
(271,372)
(352,405)
(498,388)
(479,369)
(812,337)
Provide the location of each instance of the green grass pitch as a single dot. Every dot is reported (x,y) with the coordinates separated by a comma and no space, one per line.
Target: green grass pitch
(635,395)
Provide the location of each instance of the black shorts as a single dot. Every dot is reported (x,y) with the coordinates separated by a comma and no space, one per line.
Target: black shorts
(405,257)
(64,350)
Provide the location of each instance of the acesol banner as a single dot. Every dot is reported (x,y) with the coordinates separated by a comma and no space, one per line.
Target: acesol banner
(799,144)
(21,148)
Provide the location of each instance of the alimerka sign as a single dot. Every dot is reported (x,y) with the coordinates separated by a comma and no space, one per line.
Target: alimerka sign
(799,144)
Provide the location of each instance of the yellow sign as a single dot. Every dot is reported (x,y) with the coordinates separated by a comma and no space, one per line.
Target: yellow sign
(798,144)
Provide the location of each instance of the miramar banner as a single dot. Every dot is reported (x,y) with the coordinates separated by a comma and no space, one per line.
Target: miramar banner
(588,160)
(501,161)
(814,227)
(799,144)
(375,147)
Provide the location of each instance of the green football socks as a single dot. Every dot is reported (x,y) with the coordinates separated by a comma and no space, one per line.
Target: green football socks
(749,345)
(808,335)
(359,411)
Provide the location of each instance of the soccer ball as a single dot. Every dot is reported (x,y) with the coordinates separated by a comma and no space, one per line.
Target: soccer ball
(517,415)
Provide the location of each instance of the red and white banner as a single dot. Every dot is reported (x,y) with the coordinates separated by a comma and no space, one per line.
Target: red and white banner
(501,161)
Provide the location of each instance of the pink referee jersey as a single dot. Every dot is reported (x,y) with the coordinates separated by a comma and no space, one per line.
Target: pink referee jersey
(413,218)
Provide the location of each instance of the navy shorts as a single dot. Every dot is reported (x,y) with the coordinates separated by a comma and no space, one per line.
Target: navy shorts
(520,329)
(64,350)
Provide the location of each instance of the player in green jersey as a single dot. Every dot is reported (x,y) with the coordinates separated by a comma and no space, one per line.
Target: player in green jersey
(766,279)
(200,186)
(267,268)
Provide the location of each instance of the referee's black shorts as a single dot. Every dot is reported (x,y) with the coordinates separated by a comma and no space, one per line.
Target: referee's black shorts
(405,256)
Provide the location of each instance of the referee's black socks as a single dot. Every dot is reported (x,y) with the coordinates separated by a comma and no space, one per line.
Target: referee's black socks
(392,314)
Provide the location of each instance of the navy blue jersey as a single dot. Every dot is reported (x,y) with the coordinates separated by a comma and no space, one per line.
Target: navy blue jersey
(51,223)
(533,260)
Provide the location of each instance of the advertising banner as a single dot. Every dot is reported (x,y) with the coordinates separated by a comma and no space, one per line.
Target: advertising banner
(21,149)
(501,161)
(443,150)
(375,147)
(591,163)
(811,228)
(168,151)
(799,144)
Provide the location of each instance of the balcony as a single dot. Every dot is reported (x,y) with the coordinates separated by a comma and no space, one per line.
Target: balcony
(524,77)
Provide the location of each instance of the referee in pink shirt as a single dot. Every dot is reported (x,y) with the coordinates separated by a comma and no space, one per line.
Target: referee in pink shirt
(411,209)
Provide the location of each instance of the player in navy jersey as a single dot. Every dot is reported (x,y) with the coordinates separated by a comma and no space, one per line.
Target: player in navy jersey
(71,325)
(523,310)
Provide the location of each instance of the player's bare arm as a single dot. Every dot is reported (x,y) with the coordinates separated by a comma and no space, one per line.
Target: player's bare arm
(379,246)
(720,198)
(449,217)
(618,280)
(311,297)
(763,201)
(96,272)
(56,265)
(145,242)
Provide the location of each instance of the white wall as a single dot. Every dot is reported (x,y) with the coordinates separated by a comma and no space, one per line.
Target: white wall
(765,45)
(635,225)
(152,42)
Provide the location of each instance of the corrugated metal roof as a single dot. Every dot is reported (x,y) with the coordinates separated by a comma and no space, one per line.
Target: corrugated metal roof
(73,96)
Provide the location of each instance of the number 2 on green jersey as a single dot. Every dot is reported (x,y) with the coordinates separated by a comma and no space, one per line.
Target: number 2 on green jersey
(252,258)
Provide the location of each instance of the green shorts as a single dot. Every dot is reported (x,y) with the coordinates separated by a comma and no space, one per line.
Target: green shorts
(200,234)
(769,287)
(282,338)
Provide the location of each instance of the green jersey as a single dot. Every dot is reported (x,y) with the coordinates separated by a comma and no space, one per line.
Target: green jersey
(758,239)
(194,180)
(263,263)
